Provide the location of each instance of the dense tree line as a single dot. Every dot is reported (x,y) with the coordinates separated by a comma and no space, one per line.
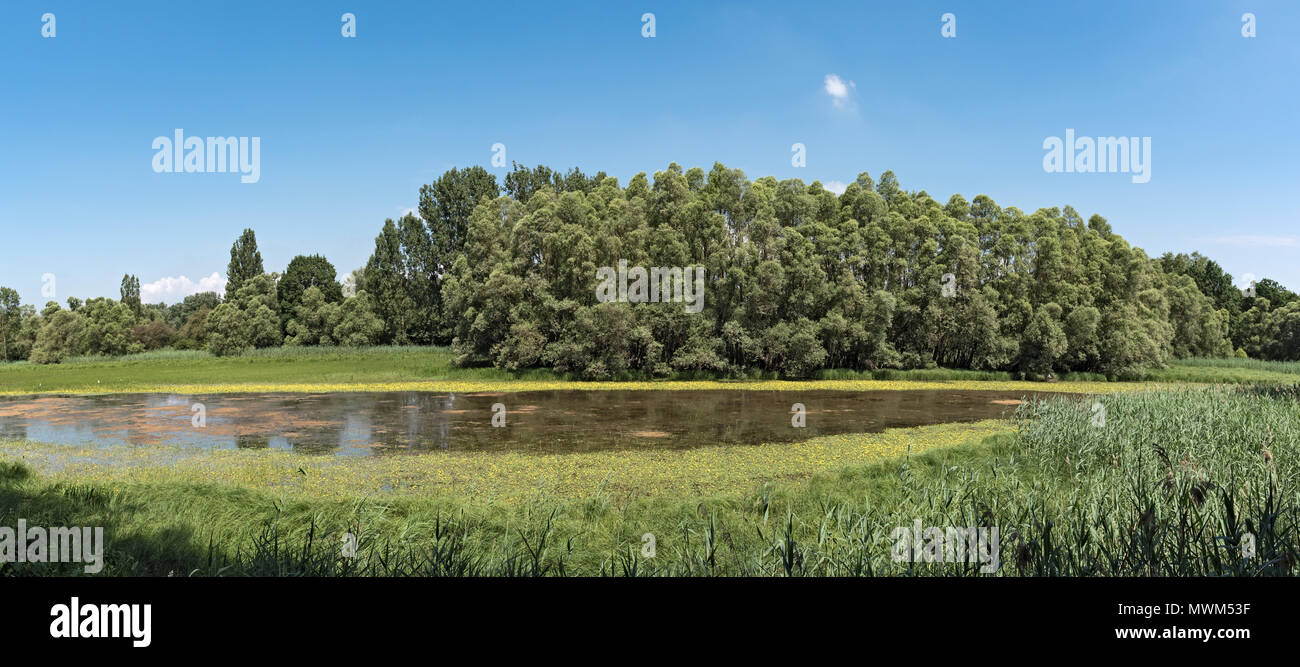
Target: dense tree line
(304,306)
(1263,319)
(797,279)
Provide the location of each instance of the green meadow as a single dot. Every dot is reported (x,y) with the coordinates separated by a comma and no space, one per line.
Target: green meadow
(380,365)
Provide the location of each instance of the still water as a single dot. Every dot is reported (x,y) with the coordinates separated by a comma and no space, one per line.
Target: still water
(540,422)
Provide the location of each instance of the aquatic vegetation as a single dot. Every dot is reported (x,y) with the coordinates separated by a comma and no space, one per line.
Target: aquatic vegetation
(507,478)
(1190,482)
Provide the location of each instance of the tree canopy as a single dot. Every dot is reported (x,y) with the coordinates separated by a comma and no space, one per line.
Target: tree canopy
(792,278)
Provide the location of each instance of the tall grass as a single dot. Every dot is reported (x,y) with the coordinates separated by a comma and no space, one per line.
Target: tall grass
(1171,484)
(1227,371)
(1234,362)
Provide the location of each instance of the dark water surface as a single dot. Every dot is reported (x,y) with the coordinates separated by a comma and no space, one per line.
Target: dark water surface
(542,421)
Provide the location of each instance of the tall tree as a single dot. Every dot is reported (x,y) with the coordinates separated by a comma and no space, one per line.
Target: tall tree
(386,280)
(10,318)
(432,241)
(130,292)
(245,262)
(446,204)
(303,272)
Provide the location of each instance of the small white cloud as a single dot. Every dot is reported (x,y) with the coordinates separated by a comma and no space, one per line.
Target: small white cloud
(835,186)
(171,290)
(840,90)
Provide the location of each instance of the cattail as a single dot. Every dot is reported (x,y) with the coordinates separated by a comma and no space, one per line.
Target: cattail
(1024,555)
(1199,491)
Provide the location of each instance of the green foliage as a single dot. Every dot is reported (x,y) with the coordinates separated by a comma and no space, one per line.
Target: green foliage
(1044,341)
(796,280)
(178,314)
(228,330)
(245,262)
(60,337)
(153,335)
(303,273)
(358,325)
(250,318)
(313,320)
(799,279)
(386,279)
(130,292)
(108,328)
(10,320)
(193,334)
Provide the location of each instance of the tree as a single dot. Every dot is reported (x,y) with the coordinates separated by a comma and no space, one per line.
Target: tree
(430,243)
(358,324)
(193,335)
(248,318)
(1274,292)
(10,319)
(258,300)
(798,279)
(178,314)
(314,320)
(228,330)
(304,272)
(21,348)
(792,278)
(153,335)
(522,182)
(59,337)
(422,281)
(131,293)
(108,325)
(1044,342)
(387,282)
(245,262)
(354,282)
(447,203)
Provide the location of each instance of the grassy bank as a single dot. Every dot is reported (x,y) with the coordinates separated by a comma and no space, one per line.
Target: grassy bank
(311,369)
(1169,484)
(1227,371)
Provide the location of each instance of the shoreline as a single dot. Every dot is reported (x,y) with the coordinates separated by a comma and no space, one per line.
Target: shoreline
(516,386)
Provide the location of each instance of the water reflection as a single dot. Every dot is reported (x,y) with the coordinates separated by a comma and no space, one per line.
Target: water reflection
(542,422)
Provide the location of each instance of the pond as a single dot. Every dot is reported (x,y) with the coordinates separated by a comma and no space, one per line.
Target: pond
(538,422)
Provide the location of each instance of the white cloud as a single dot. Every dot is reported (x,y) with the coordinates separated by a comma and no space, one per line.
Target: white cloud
(839,90)
(835,186)
(171,290)
(1245,280)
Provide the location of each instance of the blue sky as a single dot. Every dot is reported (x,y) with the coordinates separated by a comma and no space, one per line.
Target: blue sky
(350,128)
